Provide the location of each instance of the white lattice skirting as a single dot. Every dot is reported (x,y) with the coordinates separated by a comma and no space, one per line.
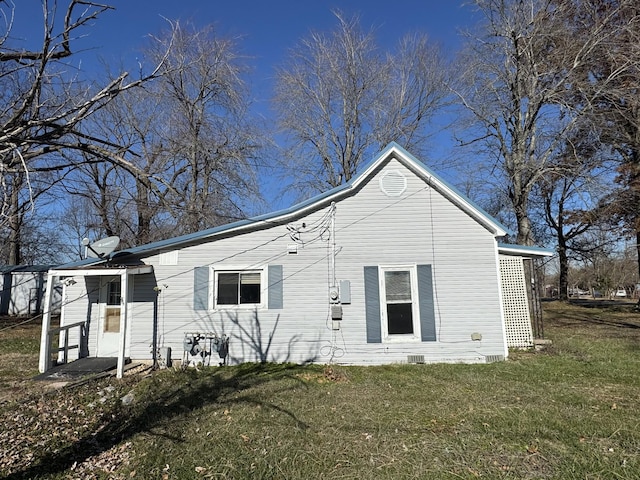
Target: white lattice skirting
(515,303)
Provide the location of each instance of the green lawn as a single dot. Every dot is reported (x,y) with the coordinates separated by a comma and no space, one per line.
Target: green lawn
(569,412)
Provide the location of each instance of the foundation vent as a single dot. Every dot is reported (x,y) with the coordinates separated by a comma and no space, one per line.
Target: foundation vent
(494,358)
(415,358)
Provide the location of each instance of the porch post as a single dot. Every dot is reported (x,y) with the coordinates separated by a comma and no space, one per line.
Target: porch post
(124,300)
(45,341)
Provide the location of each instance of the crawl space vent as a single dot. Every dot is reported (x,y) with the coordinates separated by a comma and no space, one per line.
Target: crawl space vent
(494,358)
(415,358)
(393,183)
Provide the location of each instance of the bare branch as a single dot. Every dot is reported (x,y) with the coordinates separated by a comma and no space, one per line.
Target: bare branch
(340,99)
(70,24)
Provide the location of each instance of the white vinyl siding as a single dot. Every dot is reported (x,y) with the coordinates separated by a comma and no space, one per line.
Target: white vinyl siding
(424,228)
(419,227)
(449,251)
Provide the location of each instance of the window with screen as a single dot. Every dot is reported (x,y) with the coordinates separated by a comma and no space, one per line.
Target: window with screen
(238,288)
(399,302)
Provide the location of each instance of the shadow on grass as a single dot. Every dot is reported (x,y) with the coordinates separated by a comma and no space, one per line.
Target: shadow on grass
(614,307)
(170,396)
(605,313)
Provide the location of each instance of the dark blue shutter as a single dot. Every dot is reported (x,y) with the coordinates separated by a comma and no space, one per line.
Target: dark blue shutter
(201,288)
(425,303)
(274,287)
(372,305)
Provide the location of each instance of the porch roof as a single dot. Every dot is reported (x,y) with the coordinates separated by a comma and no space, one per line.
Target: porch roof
(100,270)
(524,251)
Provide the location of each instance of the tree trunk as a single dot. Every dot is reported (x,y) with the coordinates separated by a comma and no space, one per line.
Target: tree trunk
(14,240)
(15,222)
(638,251)
(143,234)
(525,234)
(563,282)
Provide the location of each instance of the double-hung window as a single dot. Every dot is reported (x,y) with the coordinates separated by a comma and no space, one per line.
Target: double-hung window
(238,287)
(399,303)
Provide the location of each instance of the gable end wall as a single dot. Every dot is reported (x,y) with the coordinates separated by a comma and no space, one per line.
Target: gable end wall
(418,227)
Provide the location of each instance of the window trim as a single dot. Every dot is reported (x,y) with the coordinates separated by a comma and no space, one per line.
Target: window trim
(213,291)
(416,336)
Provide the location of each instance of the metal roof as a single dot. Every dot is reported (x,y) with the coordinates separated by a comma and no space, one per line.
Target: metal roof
(25,268)
(524,250)
(349,188)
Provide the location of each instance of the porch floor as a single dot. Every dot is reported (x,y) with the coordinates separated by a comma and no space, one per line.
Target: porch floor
(82,367)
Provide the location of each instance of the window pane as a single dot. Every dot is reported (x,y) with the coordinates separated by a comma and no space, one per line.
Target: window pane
(250,288)
(112,320)
(400,318)
(250,278)
(113,293)
(228,288)
(398,286)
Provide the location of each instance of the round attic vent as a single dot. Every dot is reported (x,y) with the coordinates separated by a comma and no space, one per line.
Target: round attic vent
(393,183)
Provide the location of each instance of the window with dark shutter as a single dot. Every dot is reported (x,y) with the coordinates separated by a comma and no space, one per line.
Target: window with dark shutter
(399,303)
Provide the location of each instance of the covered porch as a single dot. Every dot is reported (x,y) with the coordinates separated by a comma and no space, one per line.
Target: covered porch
(116,315)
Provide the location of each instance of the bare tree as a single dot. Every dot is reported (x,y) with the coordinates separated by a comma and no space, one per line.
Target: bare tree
(208,138)
(184,144)
(617,114)
(519,90)
(127,202)
(77,221)
(339,99)
(43,107)
(571,197)
(22,193)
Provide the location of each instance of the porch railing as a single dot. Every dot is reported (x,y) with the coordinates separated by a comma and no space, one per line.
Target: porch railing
(64,334)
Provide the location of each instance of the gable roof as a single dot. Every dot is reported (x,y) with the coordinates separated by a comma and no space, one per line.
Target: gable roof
(393,150)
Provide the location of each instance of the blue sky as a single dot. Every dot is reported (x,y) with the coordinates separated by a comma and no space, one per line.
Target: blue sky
(266,30)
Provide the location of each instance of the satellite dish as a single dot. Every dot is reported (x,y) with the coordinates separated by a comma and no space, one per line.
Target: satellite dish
(101,248)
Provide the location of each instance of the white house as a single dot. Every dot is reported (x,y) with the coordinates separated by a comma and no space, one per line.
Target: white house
(22,289)
(394,266)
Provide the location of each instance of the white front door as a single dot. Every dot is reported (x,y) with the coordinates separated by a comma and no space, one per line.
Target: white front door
(110,323)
